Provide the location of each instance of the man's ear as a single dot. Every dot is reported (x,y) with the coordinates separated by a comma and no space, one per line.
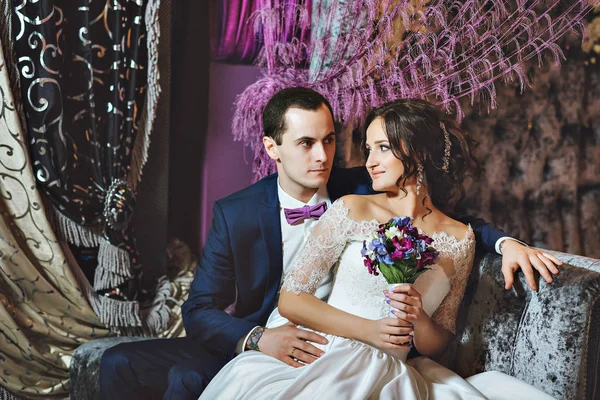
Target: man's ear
(271,148)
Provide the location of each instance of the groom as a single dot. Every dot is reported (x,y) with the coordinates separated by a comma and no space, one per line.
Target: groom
(255,236)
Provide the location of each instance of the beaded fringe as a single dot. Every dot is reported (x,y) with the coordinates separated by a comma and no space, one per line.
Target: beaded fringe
(6,395)
(142,141)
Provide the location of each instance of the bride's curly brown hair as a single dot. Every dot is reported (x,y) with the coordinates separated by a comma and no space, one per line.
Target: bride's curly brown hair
(416,138)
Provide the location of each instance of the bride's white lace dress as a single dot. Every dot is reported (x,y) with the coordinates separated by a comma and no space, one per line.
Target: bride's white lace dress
(351,369)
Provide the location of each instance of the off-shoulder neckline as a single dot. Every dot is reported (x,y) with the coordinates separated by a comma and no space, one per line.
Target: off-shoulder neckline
(440,234)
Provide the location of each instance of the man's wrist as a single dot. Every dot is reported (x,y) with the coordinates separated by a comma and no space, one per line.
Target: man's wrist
(503,240)
(254,338)
(242,343)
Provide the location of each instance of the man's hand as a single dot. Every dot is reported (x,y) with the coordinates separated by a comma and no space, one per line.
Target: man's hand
(290,344)
(515,256)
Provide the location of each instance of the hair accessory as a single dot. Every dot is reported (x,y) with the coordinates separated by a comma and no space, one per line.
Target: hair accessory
(419,177)
(448,144)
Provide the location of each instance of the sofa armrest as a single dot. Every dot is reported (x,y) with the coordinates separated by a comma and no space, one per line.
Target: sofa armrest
(549,339)
(577,261)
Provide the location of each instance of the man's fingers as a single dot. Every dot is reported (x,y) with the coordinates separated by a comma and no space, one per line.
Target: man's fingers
(553,259)
(525,265)
(549,264)
(541,267)
(508,273)
(291,362)
(302,355)
(311,336)
(302,346)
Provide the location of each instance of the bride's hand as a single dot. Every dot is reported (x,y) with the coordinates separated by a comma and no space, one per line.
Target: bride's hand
(390,335)
(407,300)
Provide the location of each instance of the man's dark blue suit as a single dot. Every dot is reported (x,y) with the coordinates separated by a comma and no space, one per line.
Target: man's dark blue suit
(241,263)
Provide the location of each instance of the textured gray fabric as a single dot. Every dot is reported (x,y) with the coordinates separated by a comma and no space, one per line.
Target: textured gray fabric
(85,366)
(548,339)
(577,261)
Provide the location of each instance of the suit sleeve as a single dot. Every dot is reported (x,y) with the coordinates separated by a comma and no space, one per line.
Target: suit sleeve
(486,234)
(212,290)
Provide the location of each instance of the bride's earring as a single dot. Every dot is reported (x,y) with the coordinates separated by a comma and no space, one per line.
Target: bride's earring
(419,178)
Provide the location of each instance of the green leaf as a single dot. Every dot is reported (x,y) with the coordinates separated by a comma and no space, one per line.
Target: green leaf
(402,271)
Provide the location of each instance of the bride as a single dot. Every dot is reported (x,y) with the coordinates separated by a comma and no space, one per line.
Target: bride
(418,160)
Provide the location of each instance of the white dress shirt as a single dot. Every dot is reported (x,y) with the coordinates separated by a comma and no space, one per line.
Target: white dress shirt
(293,238)
(499,242)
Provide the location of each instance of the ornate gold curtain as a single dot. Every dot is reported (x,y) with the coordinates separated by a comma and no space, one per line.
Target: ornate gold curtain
(47,306)
(44,313)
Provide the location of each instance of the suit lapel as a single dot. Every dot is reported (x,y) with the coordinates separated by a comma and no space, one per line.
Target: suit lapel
(270,225)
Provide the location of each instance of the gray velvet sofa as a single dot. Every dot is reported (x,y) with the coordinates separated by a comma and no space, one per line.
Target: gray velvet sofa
(549,339)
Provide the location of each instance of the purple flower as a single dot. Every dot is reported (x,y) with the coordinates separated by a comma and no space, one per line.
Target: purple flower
(425,238)
(427,258)
(371,266)
(397,255)
(406,243)
(402,221)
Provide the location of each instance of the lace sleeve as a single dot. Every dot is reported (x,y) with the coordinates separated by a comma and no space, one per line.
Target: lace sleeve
(462,255)
(321,251)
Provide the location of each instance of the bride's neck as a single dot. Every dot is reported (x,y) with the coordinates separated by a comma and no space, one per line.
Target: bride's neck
(409,204)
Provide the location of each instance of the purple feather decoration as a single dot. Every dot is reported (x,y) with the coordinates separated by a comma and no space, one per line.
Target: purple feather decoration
(363,53)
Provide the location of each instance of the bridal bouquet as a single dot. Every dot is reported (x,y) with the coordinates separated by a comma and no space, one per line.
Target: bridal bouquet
(399,251)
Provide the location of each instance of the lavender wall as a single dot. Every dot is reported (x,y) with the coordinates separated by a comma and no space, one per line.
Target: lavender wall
(226,166)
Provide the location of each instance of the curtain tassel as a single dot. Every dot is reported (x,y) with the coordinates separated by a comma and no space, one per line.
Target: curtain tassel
(114,266)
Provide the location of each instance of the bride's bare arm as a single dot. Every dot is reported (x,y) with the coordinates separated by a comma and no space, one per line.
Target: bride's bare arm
(387,334)
(307,310)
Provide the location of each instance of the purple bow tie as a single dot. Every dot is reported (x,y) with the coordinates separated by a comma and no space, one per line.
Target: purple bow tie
(296,215)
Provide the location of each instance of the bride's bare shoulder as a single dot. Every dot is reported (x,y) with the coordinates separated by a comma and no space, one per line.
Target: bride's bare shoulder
(454,228)
(361,207)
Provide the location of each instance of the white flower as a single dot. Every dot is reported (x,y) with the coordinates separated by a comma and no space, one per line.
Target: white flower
(393,231)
